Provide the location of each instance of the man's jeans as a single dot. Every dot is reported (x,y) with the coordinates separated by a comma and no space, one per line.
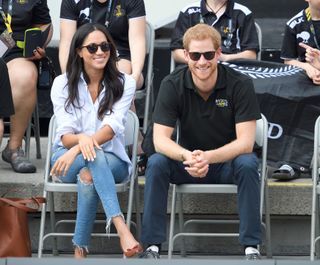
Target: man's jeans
(106,170)
(161,171)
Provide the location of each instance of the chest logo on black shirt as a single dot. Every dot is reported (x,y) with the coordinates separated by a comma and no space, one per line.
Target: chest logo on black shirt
(222,103)
(304,35)
(119,12)
(22,2)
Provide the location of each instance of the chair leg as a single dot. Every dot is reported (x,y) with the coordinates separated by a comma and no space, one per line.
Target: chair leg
(183,252)
(53,224)
(36,123)
(172,220)
(42,226)
(27,140)
(137,208)
(316,231)
(267,221)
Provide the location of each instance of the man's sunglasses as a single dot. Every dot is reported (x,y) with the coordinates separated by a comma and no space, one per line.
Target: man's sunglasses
(93,47)
(195,56)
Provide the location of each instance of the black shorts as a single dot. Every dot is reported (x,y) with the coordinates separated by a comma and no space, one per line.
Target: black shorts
(124,54)
(6,104)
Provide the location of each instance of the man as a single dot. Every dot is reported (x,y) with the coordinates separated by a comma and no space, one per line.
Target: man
(234,22)
(217,109)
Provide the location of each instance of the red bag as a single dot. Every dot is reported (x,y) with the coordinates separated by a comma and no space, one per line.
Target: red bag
(14,229)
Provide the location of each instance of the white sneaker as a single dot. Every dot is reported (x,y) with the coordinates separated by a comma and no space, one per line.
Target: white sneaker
(252,253)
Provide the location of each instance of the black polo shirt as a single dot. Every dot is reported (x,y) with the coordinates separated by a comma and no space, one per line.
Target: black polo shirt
(236,26)
(298,30)
(210,124)
(121,12)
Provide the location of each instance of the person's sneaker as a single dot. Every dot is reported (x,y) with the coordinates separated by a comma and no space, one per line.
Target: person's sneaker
(18,161)
(252,254)
(149,254)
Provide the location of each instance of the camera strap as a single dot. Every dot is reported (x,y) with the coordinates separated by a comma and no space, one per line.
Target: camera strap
(7,18)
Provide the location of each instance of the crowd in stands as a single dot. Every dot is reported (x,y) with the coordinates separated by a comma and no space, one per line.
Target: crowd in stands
(102,54)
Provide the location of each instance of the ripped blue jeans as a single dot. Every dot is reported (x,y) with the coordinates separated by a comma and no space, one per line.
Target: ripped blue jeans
(106,170)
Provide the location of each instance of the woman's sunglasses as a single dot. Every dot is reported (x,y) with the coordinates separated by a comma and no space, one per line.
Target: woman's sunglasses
(93,47)
(195,56)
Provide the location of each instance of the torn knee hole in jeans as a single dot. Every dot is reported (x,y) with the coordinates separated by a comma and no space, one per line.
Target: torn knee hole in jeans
(85,176)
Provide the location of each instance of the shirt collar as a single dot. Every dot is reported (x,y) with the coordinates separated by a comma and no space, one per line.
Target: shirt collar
(82,80)
(229,9)
(220,84)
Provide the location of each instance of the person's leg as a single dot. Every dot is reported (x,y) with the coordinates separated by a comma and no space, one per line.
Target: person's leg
(23,78)
(119,171)
(103,169)
(245,169)
(161,171)
(124,65)
(86,204)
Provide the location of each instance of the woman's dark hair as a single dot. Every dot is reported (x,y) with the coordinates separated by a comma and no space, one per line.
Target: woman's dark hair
(113,79)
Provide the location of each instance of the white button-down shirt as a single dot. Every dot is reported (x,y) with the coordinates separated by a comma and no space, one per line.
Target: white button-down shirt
(85,119)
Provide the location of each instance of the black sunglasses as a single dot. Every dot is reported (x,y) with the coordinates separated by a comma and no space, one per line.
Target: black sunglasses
(93,47)
(195,56)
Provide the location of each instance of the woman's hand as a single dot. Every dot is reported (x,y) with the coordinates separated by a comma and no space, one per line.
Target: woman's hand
(87,144)
(62,165)
(38,53)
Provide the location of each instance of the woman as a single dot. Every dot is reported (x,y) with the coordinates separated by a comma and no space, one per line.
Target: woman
(6,104)
(23,72)
(91,101)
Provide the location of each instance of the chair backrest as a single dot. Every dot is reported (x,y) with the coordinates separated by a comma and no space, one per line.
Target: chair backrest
(262,141)
(131,136)
(259,32)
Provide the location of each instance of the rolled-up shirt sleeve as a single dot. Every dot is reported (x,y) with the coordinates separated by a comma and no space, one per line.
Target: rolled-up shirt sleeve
(65,119)
(116,119)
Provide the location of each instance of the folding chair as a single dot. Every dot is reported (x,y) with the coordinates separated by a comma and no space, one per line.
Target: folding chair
(148,82)
(178,190)
(130,186)
(315,236)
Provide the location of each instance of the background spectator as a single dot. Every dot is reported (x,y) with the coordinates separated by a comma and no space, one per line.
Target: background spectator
(234,22)
(23,73)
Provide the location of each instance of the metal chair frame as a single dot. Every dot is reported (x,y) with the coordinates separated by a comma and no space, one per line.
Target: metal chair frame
(148,82)
(315,235)
(130,186)
(178,190)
